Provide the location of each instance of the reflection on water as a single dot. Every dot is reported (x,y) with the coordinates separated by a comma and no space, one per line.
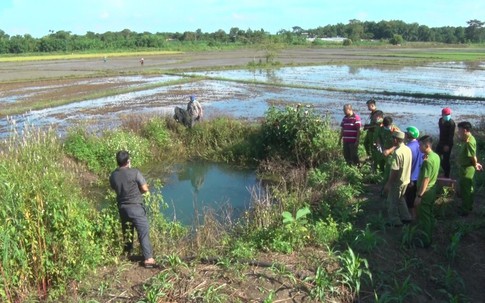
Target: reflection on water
(195,187)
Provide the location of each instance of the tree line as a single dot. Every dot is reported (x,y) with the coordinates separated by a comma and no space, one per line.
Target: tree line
(354,30)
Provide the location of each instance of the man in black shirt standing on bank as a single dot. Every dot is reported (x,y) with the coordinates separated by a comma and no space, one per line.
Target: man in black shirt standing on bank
(129,185)
(445,144)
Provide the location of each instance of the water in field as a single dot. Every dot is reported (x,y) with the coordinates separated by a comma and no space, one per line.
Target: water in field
(194,188)
(322,88)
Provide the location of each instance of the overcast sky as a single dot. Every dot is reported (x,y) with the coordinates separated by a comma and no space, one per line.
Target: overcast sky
(37,17)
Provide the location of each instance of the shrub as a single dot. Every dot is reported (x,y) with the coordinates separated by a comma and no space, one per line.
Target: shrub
(298,135)
(98,153)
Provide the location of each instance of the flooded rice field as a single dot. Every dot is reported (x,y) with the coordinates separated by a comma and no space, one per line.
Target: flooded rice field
(326,88)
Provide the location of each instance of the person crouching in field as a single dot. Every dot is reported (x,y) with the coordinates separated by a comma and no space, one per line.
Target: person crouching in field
(350,135)
(195,110)
(426,191)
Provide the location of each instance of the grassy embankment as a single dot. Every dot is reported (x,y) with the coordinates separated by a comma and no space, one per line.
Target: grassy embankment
(313,213)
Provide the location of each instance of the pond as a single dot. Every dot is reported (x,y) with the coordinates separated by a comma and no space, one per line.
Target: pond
(193,188)
(322,91)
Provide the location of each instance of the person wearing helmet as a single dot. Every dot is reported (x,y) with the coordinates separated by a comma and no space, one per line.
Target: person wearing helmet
(445,144)
(412,134)
(195,110)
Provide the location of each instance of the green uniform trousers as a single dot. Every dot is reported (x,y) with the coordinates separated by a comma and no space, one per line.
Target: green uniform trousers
(426,219)
(466,187)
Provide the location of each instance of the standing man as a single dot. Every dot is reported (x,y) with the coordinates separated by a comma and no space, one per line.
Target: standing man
(445,143)
(468,163)
(350,135)
(195,110)
(370,127)
(412,133)
(426,193)
(399,177)
(129,185)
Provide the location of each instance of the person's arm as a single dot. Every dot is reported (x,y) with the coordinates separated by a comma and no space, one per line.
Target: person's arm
(143,188)
(421,190)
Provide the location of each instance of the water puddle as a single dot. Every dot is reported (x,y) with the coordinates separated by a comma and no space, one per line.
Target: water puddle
(196,187)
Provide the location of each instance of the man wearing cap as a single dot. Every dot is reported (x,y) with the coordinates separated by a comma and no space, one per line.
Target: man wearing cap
(195,110)
(350,135)
(426,191)
(399,178)
(412,133)
(468,163)
(445,143)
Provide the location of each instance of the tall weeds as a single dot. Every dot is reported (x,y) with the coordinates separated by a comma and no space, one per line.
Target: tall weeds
(48,235)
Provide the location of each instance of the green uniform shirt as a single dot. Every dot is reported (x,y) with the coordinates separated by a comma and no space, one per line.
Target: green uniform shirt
(429,169)
(401,161)
(468,151)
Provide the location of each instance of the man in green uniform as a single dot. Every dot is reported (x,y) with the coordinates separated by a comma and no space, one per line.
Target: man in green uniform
(426,190)
(370,126)
(467,163)
(399,178)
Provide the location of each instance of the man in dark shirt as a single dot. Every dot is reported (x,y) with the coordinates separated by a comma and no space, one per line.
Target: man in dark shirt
(445,143)
(129,185)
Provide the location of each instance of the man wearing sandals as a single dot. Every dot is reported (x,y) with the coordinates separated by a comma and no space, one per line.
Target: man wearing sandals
(130,185)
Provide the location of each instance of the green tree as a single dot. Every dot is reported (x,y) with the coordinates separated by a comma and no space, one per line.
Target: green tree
(474,31)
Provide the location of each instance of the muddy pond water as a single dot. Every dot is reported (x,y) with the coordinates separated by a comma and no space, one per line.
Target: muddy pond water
(194,188)
(321,87)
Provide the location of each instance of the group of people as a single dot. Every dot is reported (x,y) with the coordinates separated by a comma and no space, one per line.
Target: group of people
(409,165)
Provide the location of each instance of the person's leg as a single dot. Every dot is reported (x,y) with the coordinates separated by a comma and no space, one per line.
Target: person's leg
(140,221)
(127,230)
(368,143)
(347,152)
(466,188)
(392,206)
(402,206)
(355,153)
(425,218)
(445,163)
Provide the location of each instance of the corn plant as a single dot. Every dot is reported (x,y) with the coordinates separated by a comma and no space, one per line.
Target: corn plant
(352,270)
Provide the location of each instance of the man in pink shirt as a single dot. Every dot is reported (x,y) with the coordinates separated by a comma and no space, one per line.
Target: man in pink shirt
(350,135)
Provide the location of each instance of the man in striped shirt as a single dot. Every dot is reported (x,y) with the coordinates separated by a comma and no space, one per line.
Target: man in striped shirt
(350,135)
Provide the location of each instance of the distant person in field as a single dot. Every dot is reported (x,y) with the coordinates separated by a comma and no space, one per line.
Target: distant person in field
(399,178)
(350,135)
(467,165)
(426,191)
(195,111)
(445,143)
(129,185)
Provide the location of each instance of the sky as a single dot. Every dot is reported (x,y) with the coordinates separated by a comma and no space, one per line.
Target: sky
(39,17)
